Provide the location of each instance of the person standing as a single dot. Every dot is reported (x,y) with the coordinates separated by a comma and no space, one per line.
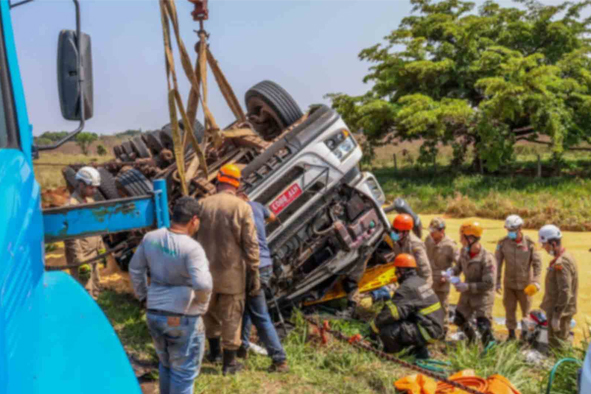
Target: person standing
(177,296)
(78,250)
(404,241)
(442,252)
(478,290)
(229,238)
(414,317)
(561,286)
(523,268)
(255,310)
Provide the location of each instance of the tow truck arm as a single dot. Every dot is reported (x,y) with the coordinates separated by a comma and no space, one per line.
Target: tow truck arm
(112,216)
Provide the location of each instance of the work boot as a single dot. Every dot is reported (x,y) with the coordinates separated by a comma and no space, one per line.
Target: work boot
(231,366)
(242,352)
(422,353)
(470,332)
(279,366)
(215,351)
(511,336)
(487,337)
(350,312)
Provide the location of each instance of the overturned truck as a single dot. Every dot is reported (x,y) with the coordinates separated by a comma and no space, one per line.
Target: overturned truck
(303,167)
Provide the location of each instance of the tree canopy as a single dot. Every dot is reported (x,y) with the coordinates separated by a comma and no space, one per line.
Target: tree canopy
(84,139)
(458,75)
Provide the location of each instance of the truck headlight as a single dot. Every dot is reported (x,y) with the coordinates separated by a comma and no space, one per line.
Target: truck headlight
(341,144)
(376,191)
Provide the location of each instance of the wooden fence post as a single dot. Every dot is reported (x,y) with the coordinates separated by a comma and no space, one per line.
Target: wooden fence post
(539,174)
(395,162)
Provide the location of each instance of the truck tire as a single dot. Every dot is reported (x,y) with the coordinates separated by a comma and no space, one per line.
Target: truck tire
(108,187)
(127,149)
(272,99)
(133,183)
(117,151)
(154,142)
(166,134)
(70,176)
(140,148)
(124,158)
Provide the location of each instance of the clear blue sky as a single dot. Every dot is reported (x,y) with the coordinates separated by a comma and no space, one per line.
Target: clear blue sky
(308,47)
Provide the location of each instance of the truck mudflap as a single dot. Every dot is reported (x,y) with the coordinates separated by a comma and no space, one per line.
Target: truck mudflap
(61,327)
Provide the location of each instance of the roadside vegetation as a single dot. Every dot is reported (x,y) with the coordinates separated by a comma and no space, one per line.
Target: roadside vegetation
(48,168)
(335,366)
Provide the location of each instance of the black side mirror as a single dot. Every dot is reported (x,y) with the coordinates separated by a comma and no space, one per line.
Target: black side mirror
(71,85)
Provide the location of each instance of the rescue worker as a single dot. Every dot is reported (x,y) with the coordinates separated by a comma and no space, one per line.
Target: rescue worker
(414,316)
(177,296)
(229,238)
(255,310)
(78,250)
(442,252)
(478,290)
(404,241)
(561,286)
(523,269)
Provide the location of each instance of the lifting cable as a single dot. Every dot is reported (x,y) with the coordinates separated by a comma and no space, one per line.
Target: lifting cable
(357,343)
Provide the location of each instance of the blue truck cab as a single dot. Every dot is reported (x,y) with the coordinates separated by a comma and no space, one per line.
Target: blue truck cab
(53,336)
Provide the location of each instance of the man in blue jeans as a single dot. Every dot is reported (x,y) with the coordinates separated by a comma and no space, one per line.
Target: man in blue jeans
(177,297)
(255,310)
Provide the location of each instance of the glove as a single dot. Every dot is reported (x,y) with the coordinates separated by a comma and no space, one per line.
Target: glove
(499,289)
(532,289)
(462,287)
(555,323)
(253,284)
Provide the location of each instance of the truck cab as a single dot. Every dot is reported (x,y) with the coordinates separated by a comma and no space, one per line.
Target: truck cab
(53,336)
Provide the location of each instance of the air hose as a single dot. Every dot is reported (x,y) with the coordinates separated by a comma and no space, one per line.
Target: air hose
(434,365)
(555,368)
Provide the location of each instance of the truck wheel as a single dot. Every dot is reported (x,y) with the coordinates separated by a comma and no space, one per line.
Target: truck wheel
(70,176)
(166,134)
(117,151)
(271,109)
(133,183)
(108,187)
(154,142)
(140,148)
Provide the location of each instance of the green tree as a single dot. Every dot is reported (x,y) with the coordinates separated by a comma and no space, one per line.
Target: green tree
(101,150)
(84,139)
(487,78)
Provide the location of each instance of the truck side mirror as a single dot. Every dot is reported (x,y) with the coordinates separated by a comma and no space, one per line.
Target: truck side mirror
(74,88)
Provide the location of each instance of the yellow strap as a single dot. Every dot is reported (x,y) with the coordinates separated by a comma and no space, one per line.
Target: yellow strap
(430,309)
(374,327)
(393,310)
(425,334)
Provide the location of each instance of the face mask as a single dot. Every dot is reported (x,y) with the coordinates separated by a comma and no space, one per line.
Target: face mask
(512,234)
(467,249)
(395,236)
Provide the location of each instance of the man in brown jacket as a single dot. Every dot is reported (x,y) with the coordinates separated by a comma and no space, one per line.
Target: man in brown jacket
(562,285)
(523,269)
(78,250)
(442,252)
(228,235)
(478,291)
(402,240)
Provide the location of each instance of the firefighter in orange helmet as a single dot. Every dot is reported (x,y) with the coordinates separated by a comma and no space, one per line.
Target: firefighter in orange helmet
(404,241)
(234,267)
(478,290)
(414,317)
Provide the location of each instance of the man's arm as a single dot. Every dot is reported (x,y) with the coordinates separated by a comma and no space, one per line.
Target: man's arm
(138,273)
(250,248)
(563,280)
(198,269)
(536,265)
(268,215)
(487,281)
(500,258)
(423,265)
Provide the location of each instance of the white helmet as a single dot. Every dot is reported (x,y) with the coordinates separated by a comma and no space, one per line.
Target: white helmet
(549,232)
(89,175)
(513,222)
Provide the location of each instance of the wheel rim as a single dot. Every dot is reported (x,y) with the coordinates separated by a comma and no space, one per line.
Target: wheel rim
(264,118)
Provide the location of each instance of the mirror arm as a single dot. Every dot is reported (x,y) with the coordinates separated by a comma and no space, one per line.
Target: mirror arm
(80,80)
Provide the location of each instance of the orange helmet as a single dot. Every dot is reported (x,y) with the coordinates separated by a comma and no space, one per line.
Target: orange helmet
(229,174)
(403,222)
(472,228)
(404,260)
